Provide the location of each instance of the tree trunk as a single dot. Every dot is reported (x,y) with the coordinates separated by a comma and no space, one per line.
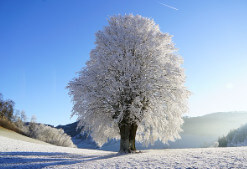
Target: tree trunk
(132,137)
(127,133)
(124,142)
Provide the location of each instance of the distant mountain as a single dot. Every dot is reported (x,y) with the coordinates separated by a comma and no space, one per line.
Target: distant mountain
(200,131)
(70,129)
(203,131)
(81,140)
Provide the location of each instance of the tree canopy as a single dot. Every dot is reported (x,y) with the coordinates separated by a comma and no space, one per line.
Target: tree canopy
(6,108)
(134,76)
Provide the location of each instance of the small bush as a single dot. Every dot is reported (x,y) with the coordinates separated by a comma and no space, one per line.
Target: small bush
(222,141)
(39,131)
(50,135)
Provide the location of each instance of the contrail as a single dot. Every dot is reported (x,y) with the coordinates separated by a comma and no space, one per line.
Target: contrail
(169,6)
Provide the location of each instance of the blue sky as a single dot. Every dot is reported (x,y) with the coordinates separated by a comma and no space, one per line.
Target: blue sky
(43,43)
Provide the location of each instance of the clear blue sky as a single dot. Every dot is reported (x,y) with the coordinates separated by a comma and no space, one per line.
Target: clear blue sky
(43,43)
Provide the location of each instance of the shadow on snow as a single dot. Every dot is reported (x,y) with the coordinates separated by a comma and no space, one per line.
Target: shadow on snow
(44,159)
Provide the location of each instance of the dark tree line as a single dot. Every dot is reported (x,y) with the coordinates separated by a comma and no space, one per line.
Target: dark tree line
(235,138)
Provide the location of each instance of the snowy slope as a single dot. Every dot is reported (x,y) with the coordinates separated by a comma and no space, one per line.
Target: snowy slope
(21,154)
(11,134)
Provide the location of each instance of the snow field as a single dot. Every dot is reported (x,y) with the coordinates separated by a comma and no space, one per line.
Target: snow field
(11,134)
(21,154)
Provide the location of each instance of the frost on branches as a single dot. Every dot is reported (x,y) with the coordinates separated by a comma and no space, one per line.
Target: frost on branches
(133,85)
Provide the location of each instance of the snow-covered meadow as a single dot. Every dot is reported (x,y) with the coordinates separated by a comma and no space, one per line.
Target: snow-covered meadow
(21,154)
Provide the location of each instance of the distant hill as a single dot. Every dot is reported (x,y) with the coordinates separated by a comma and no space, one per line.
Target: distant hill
(200,131)
(70,129)
(215,123)
(203,131)
(80,140)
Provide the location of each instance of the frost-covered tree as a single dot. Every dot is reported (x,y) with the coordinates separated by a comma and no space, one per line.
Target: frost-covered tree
(52,135)
(49,134)
(32,126)
(133,85)
(6,108)
(19,120)
(23,116)
(234,138)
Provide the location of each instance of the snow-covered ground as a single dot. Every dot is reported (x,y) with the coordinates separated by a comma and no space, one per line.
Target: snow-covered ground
(11,134)
(21,154)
